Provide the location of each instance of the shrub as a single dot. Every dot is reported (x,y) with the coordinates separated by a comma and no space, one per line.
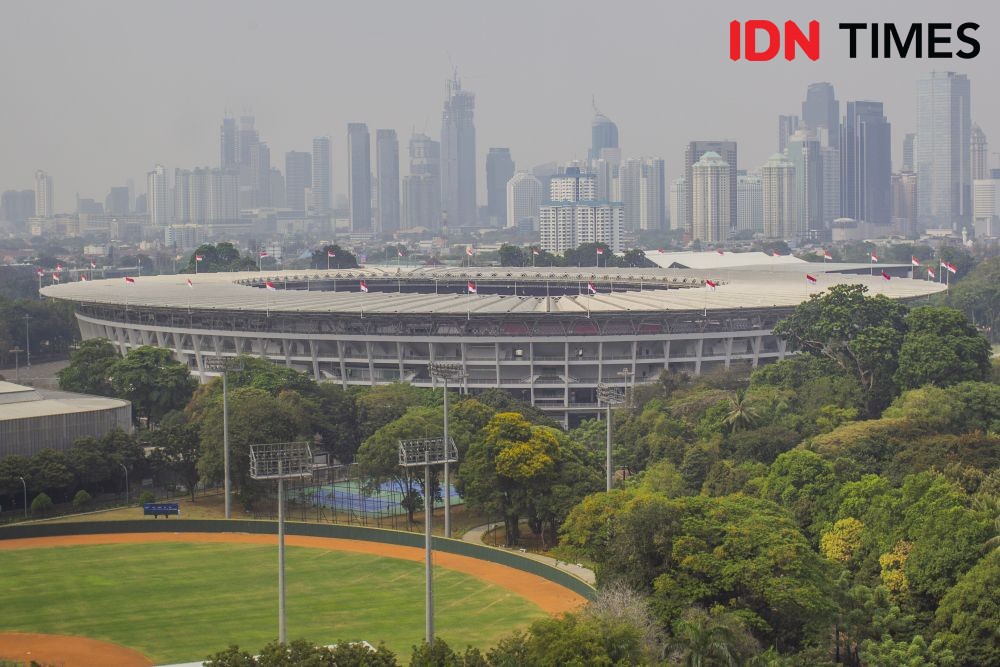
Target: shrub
(146,497)
(81,499)
(41,504)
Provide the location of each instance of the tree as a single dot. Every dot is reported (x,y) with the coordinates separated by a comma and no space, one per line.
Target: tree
(385,403)
(804,483)
(842,542)
(176,448)
(48,470)
(915,653)
(218,258)
(41,504)
(302,653)
(81,500)
(860,334)
(89,369)
(586,255)
(978,296)
(941,348)
(703,639)
(154,382)
(342,258)
(512,255)
(967,615)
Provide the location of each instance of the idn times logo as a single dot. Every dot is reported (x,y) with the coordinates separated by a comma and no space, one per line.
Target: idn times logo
(760,40)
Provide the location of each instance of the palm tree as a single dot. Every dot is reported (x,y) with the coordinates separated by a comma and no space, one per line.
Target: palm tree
(741,414)
(709,640)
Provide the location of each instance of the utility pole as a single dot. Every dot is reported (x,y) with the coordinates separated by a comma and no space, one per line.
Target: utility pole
(27,341)
(445,372)
(610,396)
(224,365)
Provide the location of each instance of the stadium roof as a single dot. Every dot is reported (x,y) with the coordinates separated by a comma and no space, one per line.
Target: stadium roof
(738,287)
(20,402)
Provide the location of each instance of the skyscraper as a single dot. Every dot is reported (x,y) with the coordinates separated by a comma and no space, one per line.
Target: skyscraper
(260,167)
(499,170)
(387,168)
(223,198)
(156,196)
(298,178)
(821,113)
(524,200)
(643,193)
(17,206)
(568,224)
(277,183)
(321,175)
(678,203)
(904,202)
(944,128)
(245,140)
(422,187)
(831,184)
(458,156)
(359,177)
(603,134)
(866,164)
(117,201)
(228,157)
(750,194)
(909,141)
(979,154)
(786,127)
(711,202)
(804,154)
(44,206)
(573,185)
(727,151)
(779,205)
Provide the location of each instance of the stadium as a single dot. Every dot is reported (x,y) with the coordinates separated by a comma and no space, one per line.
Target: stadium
(548,335)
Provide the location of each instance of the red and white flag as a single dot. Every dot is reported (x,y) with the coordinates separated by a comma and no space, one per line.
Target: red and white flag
(263,253)
(827,255)
(83,278)
(600,251)
(534,251)
(198,258)
(931,273)
(190,284)
(129,281)
(59,267)
(721,252)
(470,251)
(399,252)
(269,285)
(39,272)
(364,286)
(592,287)
(775,253)
(660,250)
(811,279)
(914,261)
(56,277)
(331,254)
(873,256)
(93,264)
(886,276)
(951,267)
(472,287)
(711,285)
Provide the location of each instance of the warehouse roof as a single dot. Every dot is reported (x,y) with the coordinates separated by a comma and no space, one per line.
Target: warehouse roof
(20,402)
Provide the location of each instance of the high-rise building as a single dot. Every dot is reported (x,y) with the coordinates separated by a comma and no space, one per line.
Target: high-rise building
(568,224)
(322,175)
(44,199)
(750,195)
(157,190)
(944,128)
(573,185)
(821,113)
(17,206)
(359,177)
(986,206)
(223,196)
(260,166)
(117,201)
(458,156)
(499,170)
(787,125)
(866,164)
(711,201)
(246,138)
(277,183)
(228,156)
(804,154)
(678,203)
(387,168)
(692,154)
(298,179)
(831,184)
(909,142)
(603,134)
(980,154)
(607,167)
(630,191)
(524,200)
(642,189)
(904,202)
(422,187)
(779,205)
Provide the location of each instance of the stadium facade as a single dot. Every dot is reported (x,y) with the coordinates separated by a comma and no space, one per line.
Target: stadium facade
(547,335)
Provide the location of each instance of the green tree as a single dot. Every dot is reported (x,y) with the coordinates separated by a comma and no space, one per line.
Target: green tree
(42,504)
(89,369)
(978,296)
(342,258)
(512,255)
(48,470)
(915,653)
(176,448)
(217,258)
(941,348)
(703,639)
(385,403)
(805,484)
(154,382)
(967,615)
(81,500)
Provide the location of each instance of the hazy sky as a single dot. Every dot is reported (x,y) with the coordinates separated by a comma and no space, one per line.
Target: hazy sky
(98,91)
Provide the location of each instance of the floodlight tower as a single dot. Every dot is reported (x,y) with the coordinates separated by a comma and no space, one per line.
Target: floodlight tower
(281,461)
(225,365)
(425,453)
(445,372)
(610,396)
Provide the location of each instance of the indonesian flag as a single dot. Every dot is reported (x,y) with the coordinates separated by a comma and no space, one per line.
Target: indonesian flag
(399,252)
(660,250)
(827,255)
(886,276)
(59,267)
(331,254)
(721,252)
(263,253)
(83,278)
(914,261)
(600,251)
(93,264)
(711,285)
(873,256)
(198,258)
(129,281)
(592,287)
(472,287)
(56,277)
(811,279)
(534,251)
(364,286)
(190,284)
(39,272)
(775,253)
(951,267)
(931,273)
(470,251)
(269,285)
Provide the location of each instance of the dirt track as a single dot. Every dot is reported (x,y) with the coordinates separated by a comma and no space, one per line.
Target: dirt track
(81,652)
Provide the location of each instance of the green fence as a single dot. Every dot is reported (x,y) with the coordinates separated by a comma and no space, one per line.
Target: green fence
(344,532)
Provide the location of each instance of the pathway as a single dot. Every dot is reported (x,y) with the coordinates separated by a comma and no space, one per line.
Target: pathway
(475,535)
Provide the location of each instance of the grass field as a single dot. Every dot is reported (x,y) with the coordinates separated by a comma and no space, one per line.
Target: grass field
(181,601)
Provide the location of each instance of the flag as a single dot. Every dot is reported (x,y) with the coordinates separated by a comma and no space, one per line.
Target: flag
(931,273)
(951,267)
(83,278)
(399,252)
(263,253)
(364,286)
(775,253)
(129,281)
(93,264)
(59,267)
(711,285)
(872,256)
(721,252)
(190,284)
(472,287)
(811,279)
(56,277)
(660,250)
(534,251)
(600,251)
(592,287)
(827,255)
(331,254)
(914,261)
(269,285)
(886,276)
(469,251)
(39,272)
(198,258)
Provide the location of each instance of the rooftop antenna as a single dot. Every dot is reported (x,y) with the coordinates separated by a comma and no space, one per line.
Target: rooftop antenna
(593,103)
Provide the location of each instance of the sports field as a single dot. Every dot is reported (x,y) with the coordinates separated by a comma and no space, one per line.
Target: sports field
(179,601)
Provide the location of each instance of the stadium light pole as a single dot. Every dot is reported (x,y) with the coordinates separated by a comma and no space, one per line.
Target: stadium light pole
(425,453)
(126,482)
(16,351)
(225,365)
(610,396)
(281,461)
(443,371)
(25,485)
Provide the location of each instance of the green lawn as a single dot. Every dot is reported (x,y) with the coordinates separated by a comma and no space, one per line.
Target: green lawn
(178,602)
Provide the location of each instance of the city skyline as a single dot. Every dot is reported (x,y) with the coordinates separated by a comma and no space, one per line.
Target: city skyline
(82,154)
